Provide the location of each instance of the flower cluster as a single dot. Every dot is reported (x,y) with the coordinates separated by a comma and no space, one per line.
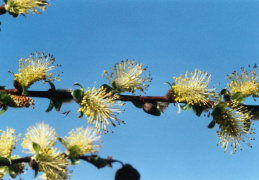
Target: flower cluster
(42,134)
(193,90)
(234,124)
(53,163)
(100,107)
(49,159)
(19,101)
(126,76)
(23,6)
(246,83)
(7,142)
(34,69)
(86,139)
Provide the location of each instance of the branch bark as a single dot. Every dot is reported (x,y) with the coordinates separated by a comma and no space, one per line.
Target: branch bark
(56,94)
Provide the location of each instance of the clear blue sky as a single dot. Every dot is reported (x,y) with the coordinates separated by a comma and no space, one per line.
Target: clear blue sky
(170,37)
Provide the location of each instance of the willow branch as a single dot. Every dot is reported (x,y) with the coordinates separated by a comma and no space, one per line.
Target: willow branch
(91,158)
(88,158)
(56,94)
(16,161)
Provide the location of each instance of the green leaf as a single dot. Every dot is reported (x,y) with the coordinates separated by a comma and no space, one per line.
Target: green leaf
(4,108)
(168,83)
(114,85)
(36,173)
(212,124)
(64,142)
(74,150)
(81,115)
(151,108)
(3,95)
(52,86)
(224,91)
(238,96)
(13,171)
(36,147)
(197,110)
(57,105)
(217,110)
(77,84)
(74,160)
(74,153)
(24,91)
(13,14)
(78,94)
(35,166)
(186,107)
(2,87)
(137,104)
(116,89)
(51,105)
(4,160)
(98,162)
(107,87)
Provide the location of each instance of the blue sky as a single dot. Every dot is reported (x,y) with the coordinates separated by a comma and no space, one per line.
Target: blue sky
(89,36)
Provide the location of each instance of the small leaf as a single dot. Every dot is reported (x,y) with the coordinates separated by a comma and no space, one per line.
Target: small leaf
(224,91)
(81,115)
(51,105)
(116,88)
(35,166)
(238,96)
(57,105)
(4,160)
(24,91)
(52,86)
(114,85)
(151,108)
(107,87)
(168,83)
(13,14)
(186,107)
(212,124)
(13,172)
(98,162)
(36,147)
(36,173)
(78,94)
(217,110)
(4,108)
(74,160)
(77,84)
(74,153)
(74,150)
(17,85)
(64,142)
(197,110)
(137,104)
(3,95)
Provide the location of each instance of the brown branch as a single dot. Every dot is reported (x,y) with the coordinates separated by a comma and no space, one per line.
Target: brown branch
(16,161)
(109,160)
(2,9)
(66,94)
(88,158)
(50,94)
